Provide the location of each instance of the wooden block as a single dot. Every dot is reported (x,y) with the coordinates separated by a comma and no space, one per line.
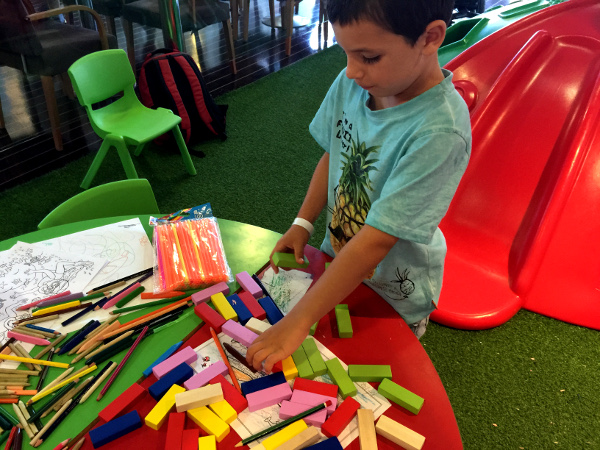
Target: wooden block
(248,284)
(313,329)
(224,410)
(185,355)
(170,351)
(159,414)
(178,375)
(258,326)
(261,383)
(344,323)
(212,318)
(400,396)
(318,387)
(290,371)
(207,442)
(290,409)
(122,402)
(328,444)
(189,439)
(288,260)
(366,429)
(306,437)
(268,397)
(115,429)
(204,295)
(223,307)
(239,332)
(175,427)
(253,306)
(340,418)
(399,434)
(209,422)
(240,308)
(202,378)
(340,377)
(284,435)
(231,394)
(314,357)
(272,311)
(196,398)
(369,373)
(312,399)
(302,364)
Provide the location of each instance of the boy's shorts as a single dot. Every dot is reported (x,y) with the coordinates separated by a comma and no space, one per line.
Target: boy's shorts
(419,328)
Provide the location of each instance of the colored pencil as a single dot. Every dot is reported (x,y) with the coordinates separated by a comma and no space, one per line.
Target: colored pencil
(27,338)
(225,360)
(35,319)
(53,344)
(60,385)
(98,381)
(41,362)
(237,355)
(44,372)
(143,273)
(37,302)
(54,418)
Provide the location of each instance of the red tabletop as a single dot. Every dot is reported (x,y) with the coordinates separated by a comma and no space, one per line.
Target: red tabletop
(380,337)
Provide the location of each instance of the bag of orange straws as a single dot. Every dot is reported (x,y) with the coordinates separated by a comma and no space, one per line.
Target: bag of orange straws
(188,250)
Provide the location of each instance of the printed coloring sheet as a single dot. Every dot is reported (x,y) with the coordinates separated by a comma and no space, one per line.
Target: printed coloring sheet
(287,287)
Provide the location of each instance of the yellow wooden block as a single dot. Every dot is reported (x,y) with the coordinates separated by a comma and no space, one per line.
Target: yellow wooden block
(307,437)
(158,415)
(399,434)
(289,368)
(224,410)
(209,422)
(207,443)
(223,306)
(284,435)
(366,429)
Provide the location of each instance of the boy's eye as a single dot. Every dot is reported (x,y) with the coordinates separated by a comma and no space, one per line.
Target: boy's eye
(371,59)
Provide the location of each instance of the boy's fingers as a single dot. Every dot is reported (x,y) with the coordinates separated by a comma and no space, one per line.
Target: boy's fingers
(299,253)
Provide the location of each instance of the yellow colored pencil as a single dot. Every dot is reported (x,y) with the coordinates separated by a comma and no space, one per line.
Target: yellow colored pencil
(52,309)
(41,362)
(40,395)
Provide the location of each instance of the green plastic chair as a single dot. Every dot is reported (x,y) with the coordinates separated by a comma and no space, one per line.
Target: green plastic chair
(119,198)
(125,122)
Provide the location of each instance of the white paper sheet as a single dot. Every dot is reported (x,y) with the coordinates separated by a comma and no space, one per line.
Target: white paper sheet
(287,287)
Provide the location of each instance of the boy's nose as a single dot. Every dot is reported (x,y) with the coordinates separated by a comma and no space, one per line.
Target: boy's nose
(352,71)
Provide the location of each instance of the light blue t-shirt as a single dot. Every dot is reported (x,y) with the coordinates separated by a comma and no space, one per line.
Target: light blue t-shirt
(396,170)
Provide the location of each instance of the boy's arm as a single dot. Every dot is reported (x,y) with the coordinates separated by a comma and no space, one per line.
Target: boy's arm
(350,267)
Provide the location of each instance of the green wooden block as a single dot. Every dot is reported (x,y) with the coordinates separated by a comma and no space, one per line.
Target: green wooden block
(339,376)
(314,357)
(288,260)
(327,265)
(372,373)
(313,329)
(302,364)
(344,324)
(400,396)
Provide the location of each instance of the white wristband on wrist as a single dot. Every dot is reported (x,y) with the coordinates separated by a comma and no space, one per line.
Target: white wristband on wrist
(304,224)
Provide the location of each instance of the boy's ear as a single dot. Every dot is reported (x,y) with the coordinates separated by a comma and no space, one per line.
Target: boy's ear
(434,36)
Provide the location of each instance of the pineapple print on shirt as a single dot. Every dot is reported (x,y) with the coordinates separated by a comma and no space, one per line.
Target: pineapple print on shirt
(352,202)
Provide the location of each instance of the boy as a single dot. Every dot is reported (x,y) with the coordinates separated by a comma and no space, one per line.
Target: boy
(397,140)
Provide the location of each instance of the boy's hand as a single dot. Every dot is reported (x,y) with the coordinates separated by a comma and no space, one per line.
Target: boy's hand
(275,344)
(293,241)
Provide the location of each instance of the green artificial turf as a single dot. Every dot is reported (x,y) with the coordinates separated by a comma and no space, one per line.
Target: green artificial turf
(532,383)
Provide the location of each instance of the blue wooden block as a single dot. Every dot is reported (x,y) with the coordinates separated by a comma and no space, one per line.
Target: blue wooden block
(240,308)
(274,315)
(332,443)
(262,383)
(115,429)
(178,375)
(162,357)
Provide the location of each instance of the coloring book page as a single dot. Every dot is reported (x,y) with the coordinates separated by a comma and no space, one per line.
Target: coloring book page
(287,287)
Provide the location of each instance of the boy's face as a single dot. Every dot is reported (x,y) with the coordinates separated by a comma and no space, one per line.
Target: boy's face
(385,64)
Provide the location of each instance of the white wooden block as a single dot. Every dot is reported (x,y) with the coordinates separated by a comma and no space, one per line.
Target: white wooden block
(399,434)
(366,429)
(195,398)
(258,326)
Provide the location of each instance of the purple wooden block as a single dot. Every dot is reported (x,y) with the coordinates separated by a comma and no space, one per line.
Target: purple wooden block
(290,409)
(312,399)
(239,332)
(203,378)
(248,284)
(204,295)
(186,355)
(268,397)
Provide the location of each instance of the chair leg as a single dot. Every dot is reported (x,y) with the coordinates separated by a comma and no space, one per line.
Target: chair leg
(185,154)
(67,87)
(272,13)
(125,156)
(246,19)
(288,25)
(229,44)
(2,123)
(234,17)
(91,173)
(128,30)
(323,18)
(122,150)
(48,86)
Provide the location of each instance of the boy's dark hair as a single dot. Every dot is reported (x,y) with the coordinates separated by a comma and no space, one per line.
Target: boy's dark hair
(407,18)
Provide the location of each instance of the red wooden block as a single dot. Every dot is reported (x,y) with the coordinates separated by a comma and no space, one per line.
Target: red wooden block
(210,316)
(231,394)
(316,387)
(340,418)
(174,431)
(253,306)
(189,439)
(277,367)
(122,402)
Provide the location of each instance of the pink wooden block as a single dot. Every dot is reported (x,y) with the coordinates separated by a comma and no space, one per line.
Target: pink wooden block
(185,355)
(116,298)
(268,397)
(312,399)
(248,284)
(239,332)
(290,409)
(204,295)
(29,339)
(202,378)
(253,306)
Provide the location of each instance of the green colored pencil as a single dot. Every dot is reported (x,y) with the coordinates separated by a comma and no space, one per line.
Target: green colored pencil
(148,304)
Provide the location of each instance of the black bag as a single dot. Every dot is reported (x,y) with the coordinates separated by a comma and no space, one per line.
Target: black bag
(172,80)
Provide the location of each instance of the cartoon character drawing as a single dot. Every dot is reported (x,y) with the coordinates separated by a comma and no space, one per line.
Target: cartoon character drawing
(407,287)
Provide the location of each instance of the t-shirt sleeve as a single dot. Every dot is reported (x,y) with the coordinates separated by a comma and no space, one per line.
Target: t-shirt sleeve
(321,126)
(418,191)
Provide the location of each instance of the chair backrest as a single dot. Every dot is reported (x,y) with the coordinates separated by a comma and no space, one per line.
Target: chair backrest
(119,198)
(17,35)
(101,75)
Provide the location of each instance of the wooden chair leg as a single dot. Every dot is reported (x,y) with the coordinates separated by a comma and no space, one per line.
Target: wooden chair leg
(272,13)
(48,86)
(234,17)
(246,19)
(229,44)
(67,87)
(2,123)
(323,18)
(128,30)
(288,25)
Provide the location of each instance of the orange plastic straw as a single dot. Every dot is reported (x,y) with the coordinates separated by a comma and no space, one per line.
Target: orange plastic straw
(186,245)
(9,400)
(152,295)
(184,279)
